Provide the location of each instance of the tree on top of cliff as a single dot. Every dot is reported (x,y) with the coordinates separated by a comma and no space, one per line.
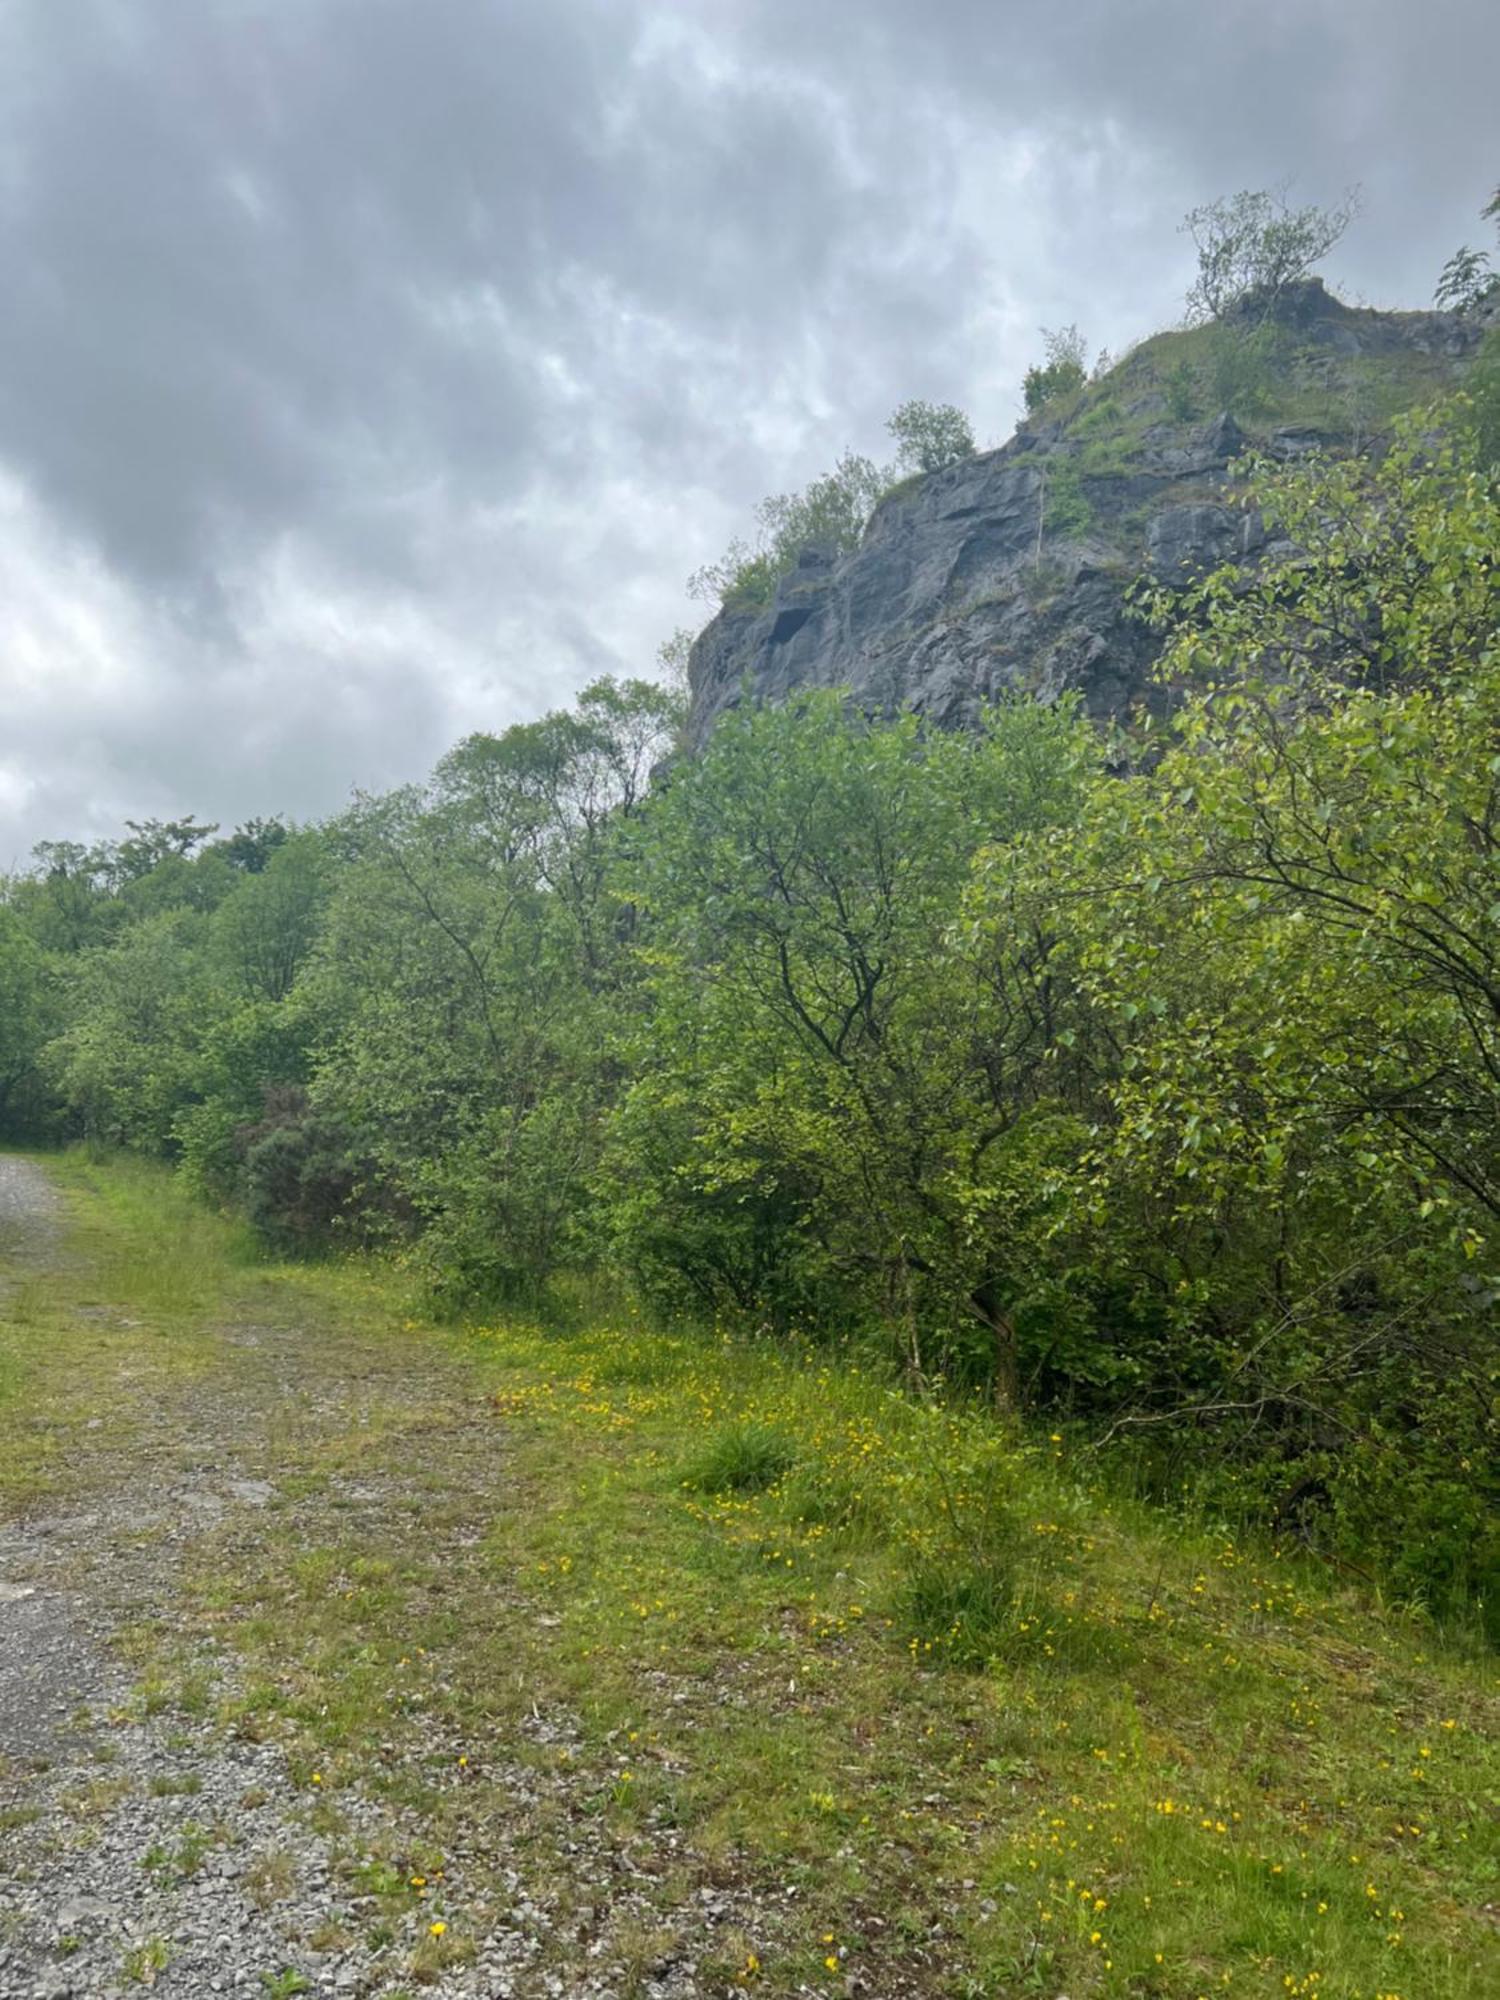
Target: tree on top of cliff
(930,436)
(1062,374)
(1252,246)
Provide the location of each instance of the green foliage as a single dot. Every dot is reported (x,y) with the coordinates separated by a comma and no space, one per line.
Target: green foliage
(153,842)
(930,436)
(125,1065)
(1243,368)
(741,1458)
(1479,411)
(1180,387)
(1162,1102)
(1066,505)
(30,1014)
(1062,374)
(1302,960)
(1252,246)
(829,515)
(470,973)
(284,1985)
(1467,282)
(252,845)
(299,1177)
(264,931)
(811,1072)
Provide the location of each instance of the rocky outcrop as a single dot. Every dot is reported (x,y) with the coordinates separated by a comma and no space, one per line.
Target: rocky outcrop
(1010,572)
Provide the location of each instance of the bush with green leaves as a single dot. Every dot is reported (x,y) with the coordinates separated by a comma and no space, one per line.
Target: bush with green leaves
(1063,372)
(1479,409)
(830,515)
(1469,281)
(1290,930)
(814,1048)
(930,437)
(31,996)
(301,1177)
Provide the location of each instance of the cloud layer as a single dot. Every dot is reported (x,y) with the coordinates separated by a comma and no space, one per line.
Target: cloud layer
(376,370)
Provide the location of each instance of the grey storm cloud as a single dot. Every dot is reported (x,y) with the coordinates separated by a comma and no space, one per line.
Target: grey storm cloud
(375,370)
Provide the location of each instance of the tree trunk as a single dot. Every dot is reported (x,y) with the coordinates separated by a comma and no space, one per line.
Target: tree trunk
(1007,1381)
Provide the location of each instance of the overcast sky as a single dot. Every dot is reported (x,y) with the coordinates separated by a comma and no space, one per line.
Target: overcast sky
(373,371)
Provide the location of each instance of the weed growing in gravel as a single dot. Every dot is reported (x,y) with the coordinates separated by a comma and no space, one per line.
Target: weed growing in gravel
(144,1963)
(284,1985)
(270,1879)
(176,1785)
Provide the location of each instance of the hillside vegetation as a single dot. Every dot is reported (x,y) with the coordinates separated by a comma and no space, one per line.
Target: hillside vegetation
(1145,1086)
(932,1291)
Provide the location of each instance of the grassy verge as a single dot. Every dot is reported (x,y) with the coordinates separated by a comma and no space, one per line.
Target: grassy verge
(90,1337)
(928,1711)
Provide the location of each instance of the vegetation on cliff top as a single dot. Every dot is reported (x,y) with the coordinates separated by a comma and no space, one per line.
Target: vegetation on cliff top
(1240,353)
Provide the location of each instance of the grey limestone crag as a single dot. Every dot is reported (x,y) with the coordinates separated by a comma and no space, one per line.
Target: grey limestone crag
(1010,571)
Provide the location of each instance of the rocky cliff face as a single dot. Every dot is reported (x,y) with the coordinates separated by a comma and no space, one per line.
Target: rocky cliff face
(1009,572)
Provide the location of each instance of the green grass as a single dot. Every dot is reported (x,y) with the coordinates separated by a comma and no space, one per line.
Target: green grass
(740,1458)
(1198,371)
(957,1720)
(90,1341)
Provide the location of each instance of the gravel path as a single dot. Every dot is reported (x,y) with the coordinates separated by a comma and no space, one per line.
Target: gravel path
(149,1847)
(29,1220)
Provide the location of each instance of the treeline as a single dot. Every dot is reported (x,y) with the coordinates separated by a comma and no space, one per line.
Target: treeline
(1147,1084)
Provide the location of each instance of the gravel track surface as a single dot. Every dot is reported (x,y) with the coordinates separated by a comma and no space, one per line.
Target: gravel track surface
(154,1848)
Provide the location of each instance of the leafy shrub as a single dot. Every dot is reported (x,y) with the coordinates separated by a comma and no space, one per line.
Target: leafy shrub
(1181,389)
(930,436)
(1063,373)
(1468,282)
(1243,367)
(300,1173)
(1479,411)
(829,514)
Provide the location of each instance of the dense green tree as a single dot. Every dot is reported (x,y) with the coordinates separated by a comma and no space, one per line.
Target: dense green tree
(824,1059)
(126,1065)
(1290,927)
(930,436)
(1151,1081)
(30,1002)
(470,971)
(252,845)
(264,930)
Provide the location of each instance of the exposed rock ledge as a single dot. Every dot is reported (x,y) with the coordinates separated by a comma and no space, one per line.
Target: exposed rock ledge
(970,582)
